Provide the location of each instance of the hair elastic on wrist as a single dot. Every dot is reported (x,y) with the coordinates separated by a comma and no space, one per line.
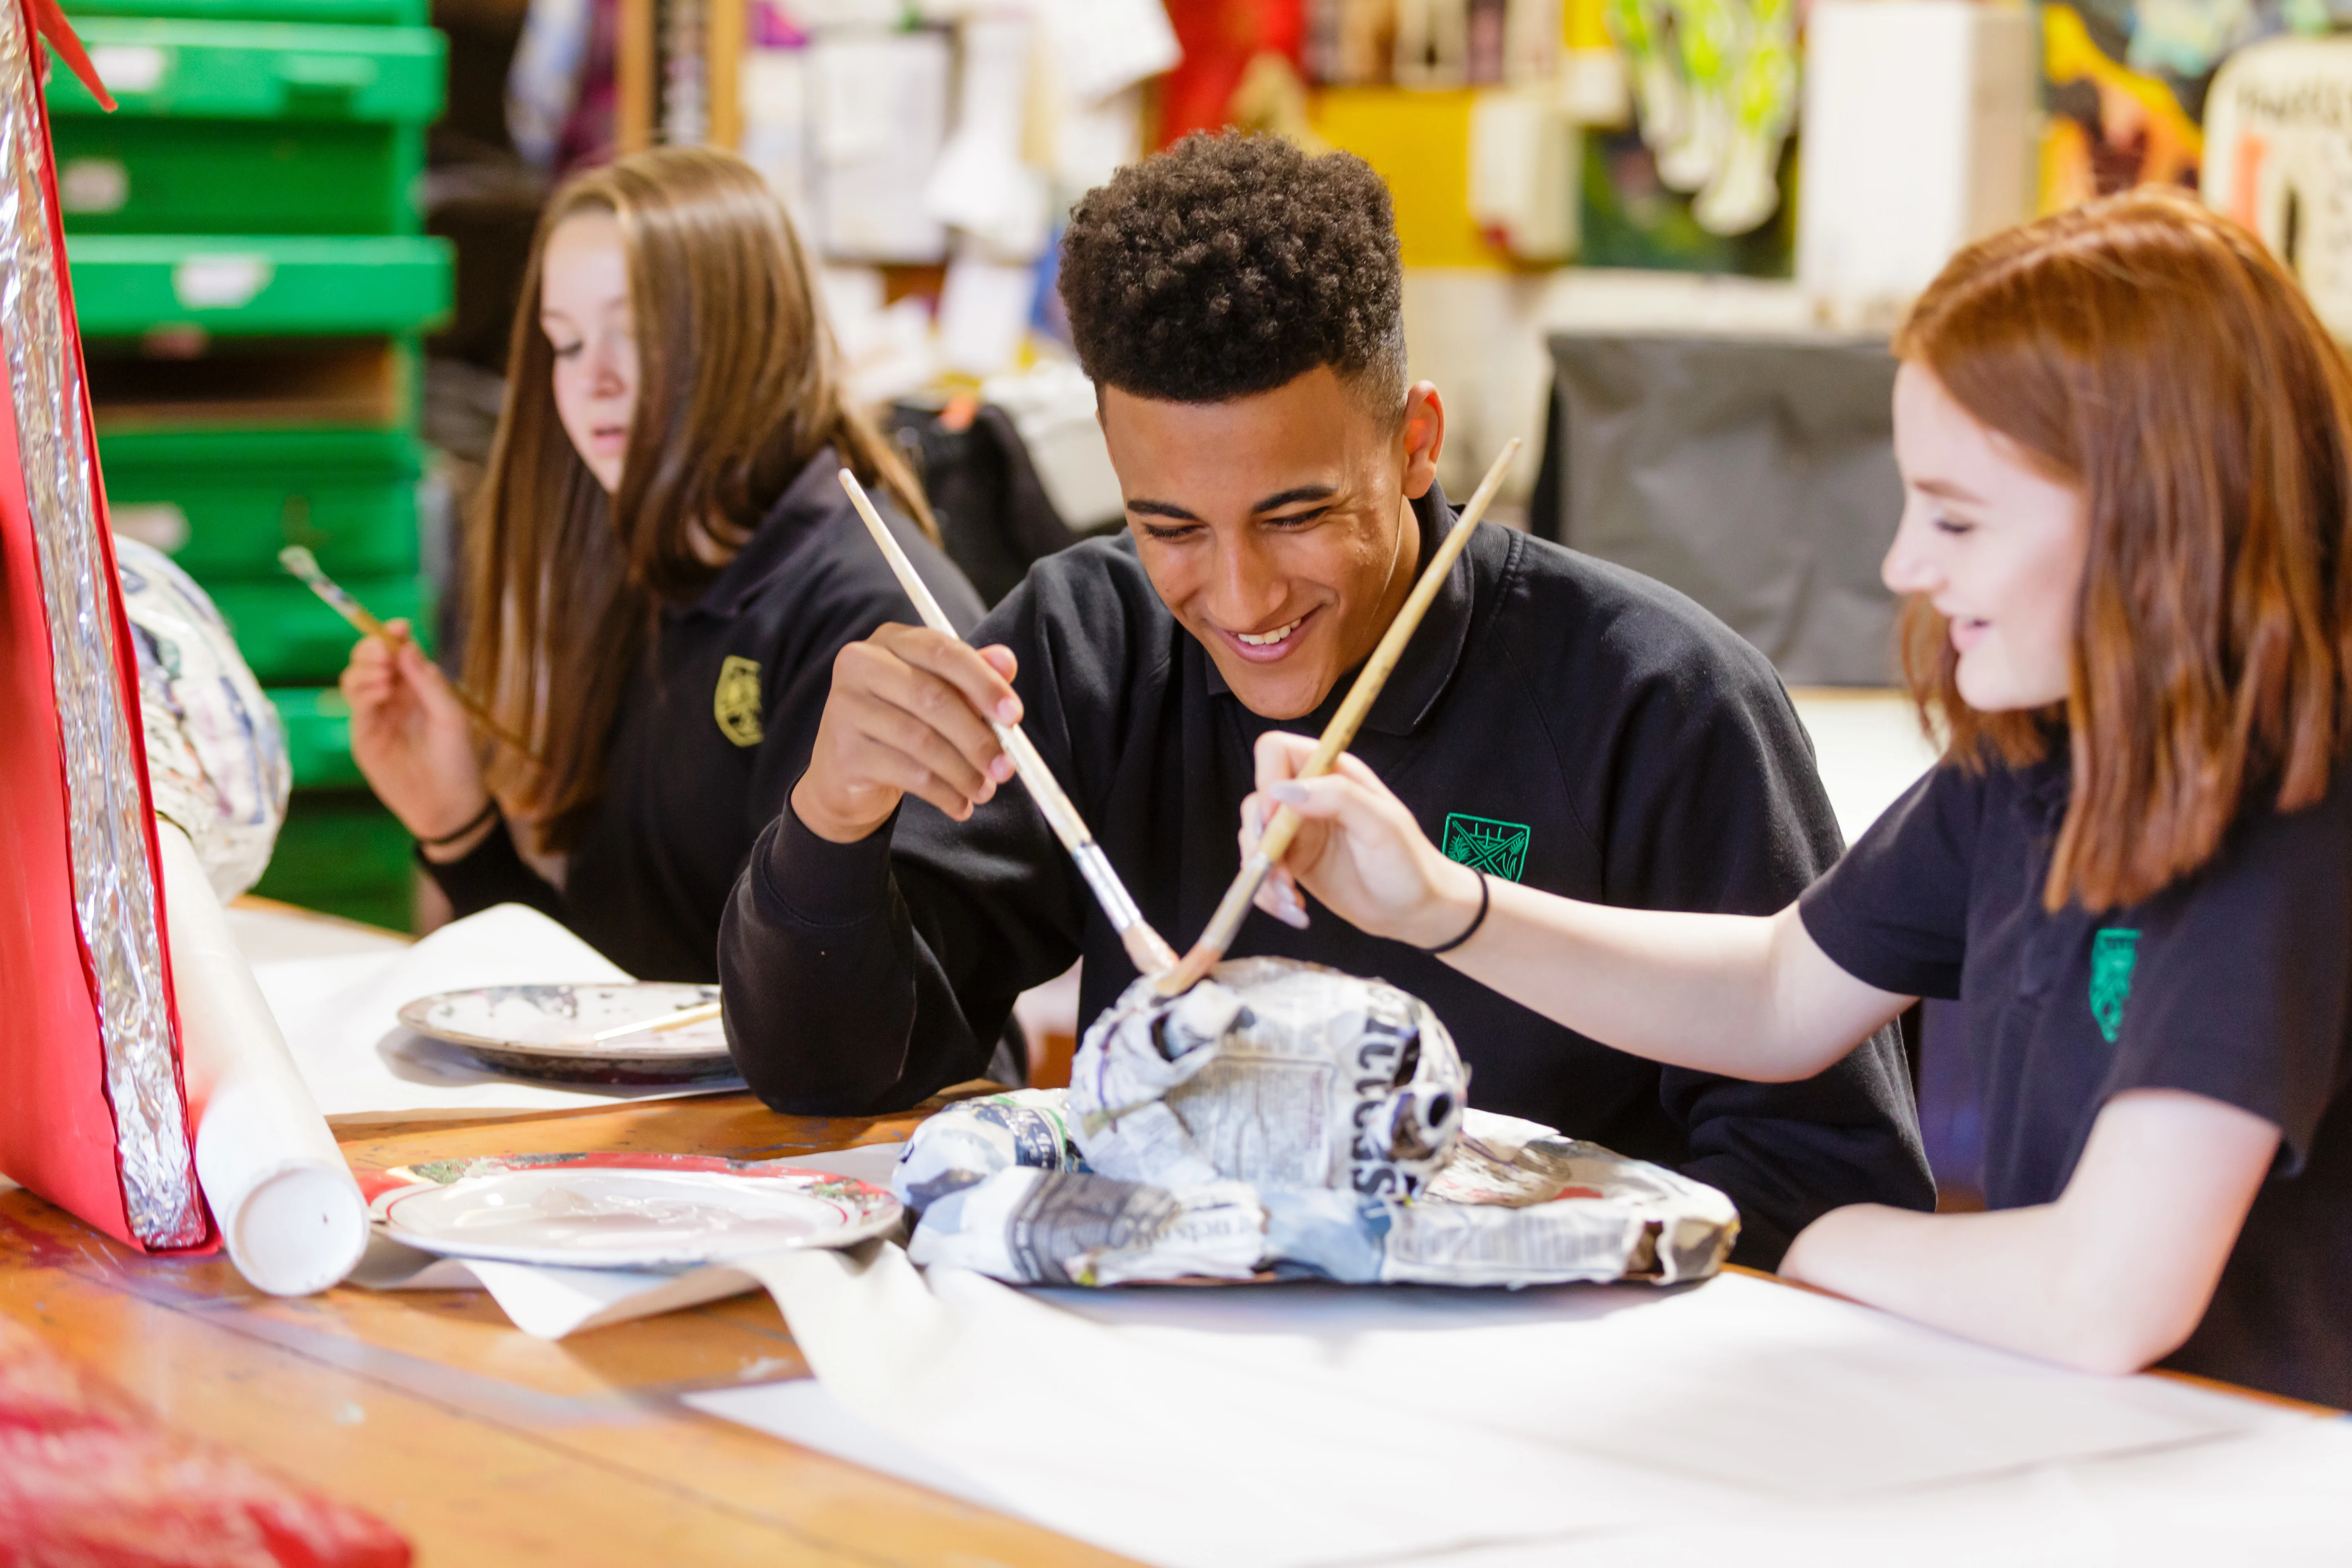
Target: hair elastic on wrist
(488,814)
(1484,901)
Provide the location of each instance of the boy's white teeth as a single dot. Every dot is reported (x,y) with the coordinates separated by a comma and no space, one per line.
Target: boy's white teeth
(1267,639)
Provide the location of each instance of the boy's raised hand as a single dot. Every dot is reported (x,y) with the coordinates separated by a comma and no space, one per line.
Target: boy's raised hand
(909,714)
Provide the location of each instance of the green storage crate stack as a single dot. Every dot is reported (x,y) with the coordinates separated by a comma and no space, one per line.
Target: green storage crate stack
(252,289)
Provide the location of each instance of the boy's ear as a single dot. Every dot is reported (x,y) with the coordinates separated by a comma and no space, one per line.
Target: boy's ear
(1420,434)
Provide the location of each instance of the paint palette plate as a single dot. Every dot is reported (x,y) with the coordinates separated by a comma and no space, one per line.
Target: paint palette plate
(665,1212)
(548,1032)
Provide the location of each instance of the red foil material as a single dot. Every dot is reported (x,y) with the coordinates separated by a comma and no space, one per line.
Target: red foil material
(93,1115)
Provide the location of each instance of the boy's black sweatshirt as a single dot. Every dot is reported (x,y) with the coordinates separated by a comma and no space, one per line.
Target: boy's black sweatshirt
(1556,720)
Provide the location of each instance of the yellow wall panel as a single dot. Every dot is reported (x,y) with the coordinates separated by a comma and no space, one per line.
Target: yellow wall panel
(1584,24)
(1420,144)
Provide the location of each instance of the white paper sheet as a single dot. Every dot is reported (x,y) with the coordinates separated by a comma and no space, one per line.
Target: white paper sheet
(1311,1425)
(1739,1380)
(1168,1459)
(549,1303)
(340,1016)
(806,1413)
(2278,1495)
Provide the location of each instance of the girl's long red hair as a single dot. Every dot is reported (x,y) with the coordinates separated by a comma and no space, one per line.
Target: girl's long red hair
(2155,356)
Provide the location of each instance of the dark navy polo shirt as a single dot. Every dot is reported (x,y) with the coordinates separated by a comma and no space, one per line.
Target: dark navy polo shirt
(2235,982)
(1556,720)
(712,729)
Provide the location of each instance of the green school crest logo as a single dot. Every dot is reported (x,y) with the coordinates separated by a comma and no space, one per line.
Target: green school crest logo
(1499,848)
(2113,953)
(736,703)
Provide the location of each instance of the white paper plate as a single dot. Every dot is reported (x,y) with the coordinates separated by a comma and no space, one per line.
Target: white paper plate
(629,1210)
(547,1031)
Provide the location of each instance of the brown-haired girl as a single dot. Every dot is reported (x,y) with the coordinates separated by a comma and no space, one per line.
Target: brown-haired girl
(2126,453)
(661,571)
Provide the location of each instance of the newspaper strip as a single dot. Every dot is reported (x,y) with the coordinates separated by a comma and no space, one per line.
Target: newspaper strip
(1280,1074)
(217,761)
(1517,1205)
(1070,1227)
(972,1139)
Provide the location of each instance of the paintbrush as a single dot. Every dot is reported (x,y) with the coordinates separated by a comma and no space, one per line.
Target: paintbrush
(678,1020)
(1234,907)
(1149,951)
(305,565)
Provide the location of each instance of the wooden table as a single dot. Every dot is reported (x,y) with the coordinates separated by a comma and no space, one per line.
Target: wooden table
(479,1443)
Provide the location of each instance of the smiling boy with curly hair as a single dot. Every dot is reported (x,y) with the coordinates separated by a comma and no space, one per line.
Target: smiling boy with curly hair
(1555,720)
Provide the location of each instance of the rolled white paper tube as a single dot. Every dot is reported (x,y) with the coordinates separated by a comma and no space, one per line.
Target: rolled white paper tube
(285,1201)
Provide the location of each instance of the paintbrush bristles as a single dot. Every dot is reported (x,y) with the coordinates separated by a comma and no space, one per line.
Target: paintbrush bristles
(1234,908)
(305,566)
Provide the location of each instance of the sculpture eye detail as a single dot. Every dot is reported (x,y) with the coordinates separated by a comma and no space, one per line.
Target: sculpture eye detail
(1408,1060)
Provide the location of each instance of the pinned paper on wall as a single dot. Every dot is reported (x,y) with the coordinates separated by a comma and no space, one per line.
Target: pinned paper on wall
(774,96)
(2278,161)
(984,310)
(1527,157)
(981,186)
(1103,46)
(880,105)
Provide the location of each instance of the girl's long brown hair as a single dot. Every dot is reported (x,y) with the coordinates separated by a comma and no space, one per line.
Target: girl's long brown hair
(738,385)
(2155,355)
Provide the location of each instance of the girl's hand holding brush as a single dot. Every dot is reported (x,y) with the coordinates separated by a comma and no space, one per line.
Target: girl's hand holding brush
(414,744)
(1358,849)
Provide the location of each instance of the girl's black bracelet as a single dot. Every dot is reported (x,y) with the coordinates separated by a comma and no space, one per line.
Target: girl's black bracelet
(1484,900)
(488,814)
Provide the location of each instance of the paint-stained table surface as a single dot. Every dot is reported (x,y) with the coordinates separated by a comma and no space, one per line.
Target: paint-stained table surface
(479,1443)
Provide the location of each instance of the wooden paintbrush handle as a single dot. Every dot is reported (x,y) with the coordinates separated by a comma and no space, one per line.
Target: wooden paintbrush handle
(1225,923)
(1340,733)
(1060,815)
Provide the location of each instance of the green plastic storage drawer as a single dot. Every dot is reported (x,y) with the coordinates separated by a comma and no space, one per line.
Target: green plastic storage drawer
(127,285)
(247,128)
(342,852)
(290,639)
(403,13)
(224,502)
(317,736)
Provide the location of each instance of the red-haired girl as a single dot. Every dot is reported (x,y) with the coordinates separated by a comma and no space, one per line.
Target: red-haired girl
(2127,454)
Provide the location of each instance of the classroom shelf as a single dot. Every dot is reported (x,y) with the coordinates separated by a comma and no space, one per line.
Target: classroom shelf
(165,67)
(317,736)
(256,285)
(252,288)
(342,853)
(223,503)
(384,13)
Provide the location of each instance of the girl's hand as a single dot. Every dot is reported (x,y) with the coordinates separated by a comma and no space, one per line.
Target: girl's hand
(1358,849)
(411,741)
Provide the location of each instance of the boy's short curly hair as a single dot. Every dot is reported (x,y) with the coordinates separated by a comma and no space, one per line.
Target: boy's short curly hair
(1230,265)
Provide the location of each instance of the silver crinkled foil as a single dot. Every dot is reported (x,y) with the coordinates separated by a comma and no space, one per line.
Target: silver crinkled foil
(114,879)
